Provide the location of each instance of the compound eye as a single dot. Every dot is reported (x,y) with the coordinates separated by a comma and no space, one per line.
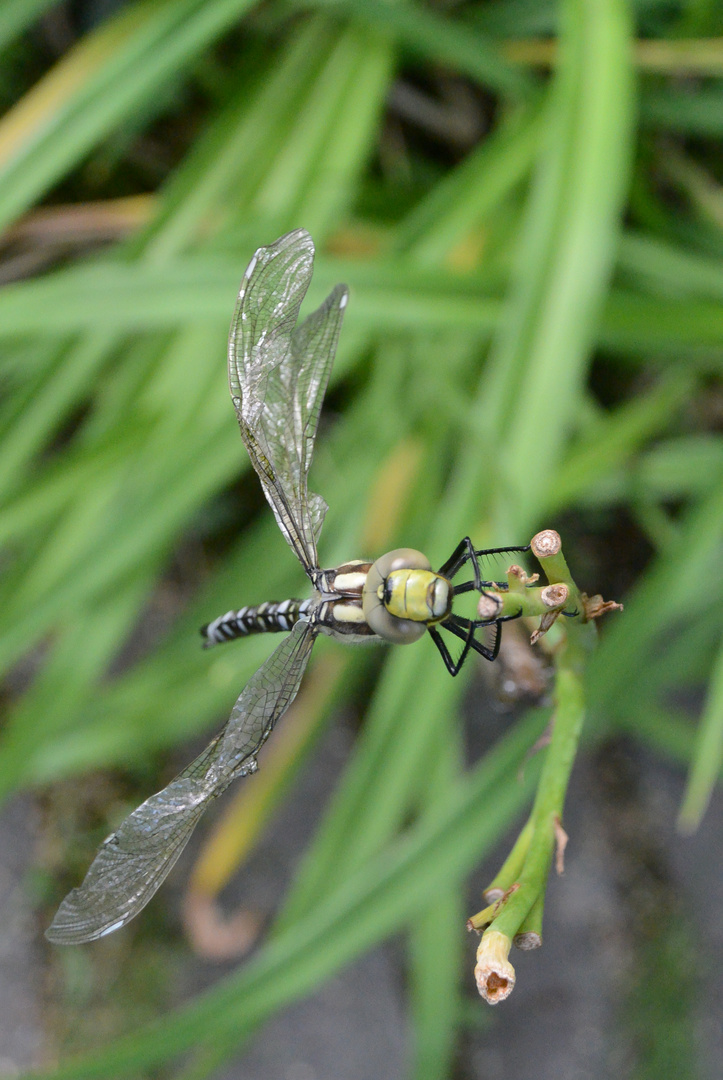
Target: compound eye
(388,626)
(401,559)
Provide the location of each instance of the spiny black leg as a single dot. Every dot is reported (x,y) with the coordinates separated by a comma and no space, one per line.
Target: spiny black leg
(508,618)
(449,663)
(465,552)
(468,644)
(467,586)
(461,554)
(478,583)
(465,629)
(501,551)
(498,641)
(453,667)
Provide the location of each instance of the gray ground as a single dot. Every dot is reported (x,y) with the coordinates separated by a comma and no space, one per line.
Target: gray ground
(21,1031)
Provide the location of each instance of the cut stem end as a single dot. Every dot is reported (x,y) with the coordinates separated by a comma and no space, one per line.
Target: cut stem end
(494,973)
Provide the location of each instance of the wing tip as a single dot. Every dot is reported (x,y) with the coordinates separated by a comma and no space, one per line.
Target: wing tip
(297,238)
(72,924)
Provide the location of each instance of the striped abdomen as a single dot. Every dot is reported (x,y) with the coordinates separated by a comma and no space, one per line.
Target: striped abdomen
(271,618)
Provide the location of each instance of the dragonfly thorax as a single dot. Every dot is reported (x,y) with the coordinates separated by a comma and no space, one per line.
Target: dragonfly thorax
(402,596)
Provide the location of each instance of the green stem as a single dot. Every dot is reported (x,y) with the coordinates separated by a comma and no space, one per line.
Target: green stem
(549,801)
(513,864)
(528,603)
(529,936)
(557,572)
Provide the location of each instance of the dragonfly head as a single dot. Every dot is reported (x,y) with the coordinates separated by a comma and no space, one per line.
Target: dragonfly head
(402,596)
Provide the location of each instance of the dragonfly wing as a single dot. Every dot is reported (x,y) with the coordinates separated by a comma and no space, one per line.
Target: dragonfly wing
(278,374)
(266,696)
(306,375)
(135,860)
(131,864)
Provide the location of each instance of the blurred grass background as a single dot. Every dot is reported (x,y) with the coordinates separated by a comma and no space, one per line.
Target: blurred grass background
(525,199)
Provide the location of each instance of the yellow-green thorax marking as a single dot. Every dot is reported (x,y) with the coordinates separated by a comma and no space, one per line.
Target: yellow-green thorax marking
(416,594)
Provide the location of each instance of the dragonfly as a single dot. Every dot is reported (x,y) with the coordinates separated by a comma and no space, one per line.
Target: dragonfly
(278,374)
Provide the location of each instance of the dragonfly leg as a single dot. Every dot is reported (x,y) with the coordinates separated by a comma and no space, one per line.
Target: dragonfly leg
(501,551)
(465,630)
(481,585)
(468,586)
(457,559)
(466,552)
(452,666)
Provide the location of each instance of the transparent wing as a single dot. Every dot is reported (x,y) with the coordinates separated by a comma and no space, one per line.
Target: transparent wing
(135,860)
(278,374)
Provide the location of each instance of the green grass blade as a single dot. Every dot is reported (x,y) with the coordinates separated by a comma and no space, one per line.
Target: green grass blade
(110,73)
(230,161)
(609,444)
(465,198)
(436,946)
(678,581)
(433,37)
(668,270)
(17,15)
(538,363)
(705,768)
